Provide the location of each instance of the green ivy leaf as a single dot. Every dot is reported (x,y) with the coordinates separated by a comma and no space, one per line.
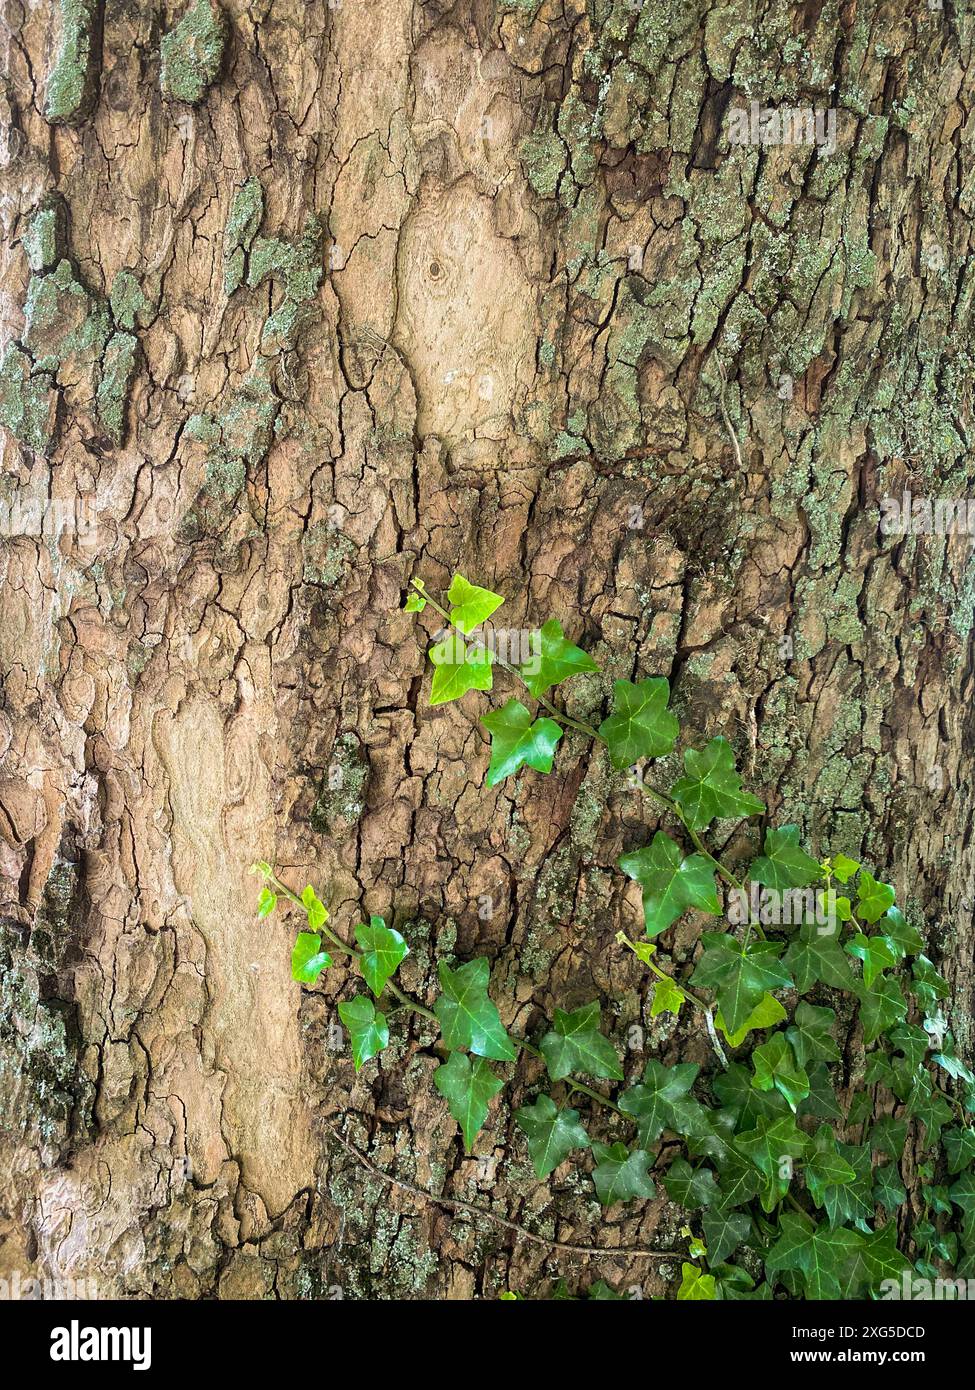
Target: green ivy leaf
(770,1146)
(470,605)
(963,1193)
(888,1189)
(875,953)
(662,1101)
(467,1016)
(959,1145)
(641,725)
(518,742)
(814,1251)
(315,909)
(415,603)
(785,864)
(824,1166)
(811,1034)
(308,960)
(576,1044)
(873,898)
(821,1100)
(712,788)
(900,933)
(468,1089)
(843,867)
(620,1175)
(818,958)
(739,974)
(559,659)
(695,1286)
(459,668)
(740,1182)
(875,1260)
(383,949)
(690,1187)
(928,986)
(881,1006)
(724,1231)
(889,1136)
(266,903)
(910,1040)
(667,998)
(933,1111)
(552,1133)
(671,883)
(766,1013)
(367,1027)
(852,1201)
(776,1066)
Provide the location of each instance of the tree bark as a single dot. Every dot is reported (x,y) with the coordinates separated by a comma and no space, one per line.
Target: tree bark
(359,292)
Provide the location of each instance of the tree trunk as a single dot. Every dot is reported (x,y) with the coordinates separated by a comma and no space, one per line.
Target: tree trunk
(307,299)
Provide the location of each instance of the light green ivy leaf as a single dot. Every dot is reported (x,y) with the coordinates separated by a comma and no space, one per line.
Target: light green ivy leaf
(308,960)
(367,1027)
(470,605)
(383,950)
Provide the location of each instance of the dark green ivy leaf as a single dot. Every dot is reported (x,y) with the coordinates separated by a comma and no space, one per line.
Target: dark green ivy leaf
(641,725)
(739,974)
(468,1088)
(775,1065)
(888,1136)
(785,864)
(928,986)
(690,1187)
(811,1034)
(724,1231)
(517,742)
(959,1145)
(824,1165)
(881,1007)
(821,1100)
(671,883)
(552,1133)
(711,788)
(575,1044)
(818,958)
(620,1175)
(662,1101)
(888,1189)
(817,1252)
(467,1017)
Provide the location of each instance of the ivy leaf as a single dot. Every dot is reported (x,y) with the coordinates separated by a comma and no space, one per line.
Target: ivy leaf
(620,1175)
(382,952)
(816,958)
(576,1044)
(739,1184)
(552,1133)
(690,1187)
(771,1146)
(852,1201)
(641,725)
(785,864)
(843,867)
(821,1100)
(468,1089)
(897,929)
(308,960)
(889,1136)
(467,1016)
(766,1013)
(910,1040)
(662,1100)
(559,659)
(873,898)
(460,668)
(695,1286)
(962,1193)
(367,1027)
(739,975)
(724,1231)
(470,605)
(933,1111)
(712,788)
(875,1260)
(888,1189)
(415,603)
(928,986)
(266,903)
(667,998)
(737,1094)
(518,742)
(315,909)
(959,1145)
(953,1065)
(881,1007)
(824,1165)
(816,1252)
(776,1066)
(671,883)
(810,1034)
(875,953)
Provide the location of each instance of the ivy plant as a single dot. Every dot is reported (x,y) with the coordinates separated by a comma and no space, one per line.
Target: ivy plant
(789,1168)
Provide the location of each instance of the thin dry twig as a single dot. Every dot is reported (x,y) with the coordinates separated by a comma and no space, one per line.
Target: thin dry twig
(456,1204)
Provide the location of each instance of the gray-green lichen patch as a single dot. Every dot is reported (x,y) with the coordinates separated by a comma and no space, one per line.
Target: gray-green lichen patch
(70,85)
(236,438)
(341,797)
(74,341)
(243,223)
(299,265)
(192,51)
(28,400)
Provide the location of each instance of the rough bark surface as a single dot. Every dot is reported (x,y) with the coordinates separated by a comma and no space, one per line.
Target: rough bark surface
(350,294)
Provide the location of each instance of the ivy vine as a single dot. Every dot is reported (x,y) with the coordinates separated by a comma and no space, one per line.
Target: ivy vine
(791,1177)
